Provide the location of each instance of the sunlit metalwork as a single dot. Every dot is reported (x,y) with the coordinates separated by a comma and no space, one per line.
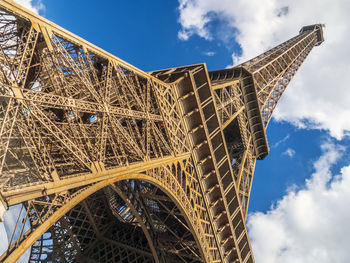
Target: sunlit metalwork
(112,164)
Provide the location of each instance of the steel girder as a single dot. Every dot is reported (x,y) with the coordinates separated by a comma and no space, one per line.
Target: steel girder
(260,82)
(115,164)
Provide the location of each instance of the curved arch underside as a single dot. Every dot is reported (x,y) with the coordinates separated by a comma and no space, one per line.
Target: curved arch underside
(164,198)
(105,228)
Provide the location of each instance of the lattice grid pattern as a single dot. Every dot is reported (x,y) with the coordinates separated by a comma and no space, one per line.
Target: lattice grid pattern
(114,164)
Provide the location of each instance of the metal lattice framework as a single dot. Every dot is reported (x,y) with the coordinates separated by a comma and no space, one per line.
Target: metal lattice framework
(112,164)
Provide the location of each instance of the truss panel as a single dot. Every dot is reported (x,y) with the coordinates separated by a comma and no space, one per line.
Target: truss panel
(114,164)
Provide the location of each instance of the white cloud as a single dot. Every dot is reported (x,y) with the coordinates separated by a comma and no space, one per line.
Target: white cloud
(209,53)
(309,224)
(318,96)
(193,20)
(9,226)
(275,145)
(289,152)
(3,238)
(34,6)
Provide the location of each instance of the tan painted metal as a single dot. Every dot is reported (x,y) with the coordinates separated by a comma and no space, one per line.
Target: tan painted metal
(163,158)
(26,193)
(139,220)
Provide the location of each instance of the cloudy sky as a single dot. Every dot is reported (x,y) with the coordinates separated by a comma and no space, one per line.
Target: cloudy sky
(301,191)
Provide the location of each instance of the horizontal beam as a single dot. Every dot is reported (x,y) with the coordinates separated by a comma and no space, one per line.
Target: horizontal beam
(29,192)
(60,102)
(219,85)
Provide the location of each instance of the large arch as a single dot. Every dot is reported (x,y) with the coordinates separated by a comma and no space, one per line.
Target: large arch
(166,181)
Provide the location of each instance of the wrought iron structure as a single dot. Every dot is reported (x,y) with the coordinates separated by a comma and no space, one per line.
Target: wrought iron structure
(112,164)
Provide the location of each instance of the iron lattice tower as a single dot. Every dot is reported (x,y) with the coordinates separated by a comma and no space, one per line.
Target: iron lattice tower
(112,164)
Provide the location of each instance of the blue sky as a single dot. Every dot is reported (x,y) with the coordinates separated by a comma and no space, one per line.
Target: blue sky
(308,160)
(143,33)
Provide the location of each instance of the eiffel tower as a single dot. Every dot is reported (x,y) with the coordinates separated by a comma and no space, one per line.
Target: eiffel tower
(107,163)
